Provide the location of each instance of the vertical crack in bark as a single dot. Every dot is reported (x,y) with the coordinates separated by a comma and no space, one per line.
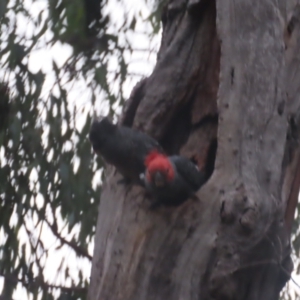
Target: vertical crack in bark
(292,199)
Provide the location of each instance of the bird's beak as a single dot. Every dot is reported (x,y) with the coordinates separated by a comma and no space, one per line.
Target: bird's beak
(159,179)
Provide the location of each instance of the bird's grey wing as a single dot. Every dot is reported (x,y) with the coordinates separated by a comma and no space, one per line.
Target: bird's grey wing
(189,171)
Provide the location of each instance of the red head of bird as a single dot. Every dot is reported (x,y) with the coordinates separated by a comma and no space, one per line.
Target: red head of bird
(160,170)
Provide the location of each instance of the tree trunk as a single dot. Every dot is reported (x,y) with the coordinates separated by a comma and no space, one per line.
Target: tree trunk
(227,74)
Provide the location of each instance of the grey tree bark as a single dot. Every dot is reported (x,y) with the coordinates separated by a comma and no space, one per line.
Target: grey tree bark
(227,74)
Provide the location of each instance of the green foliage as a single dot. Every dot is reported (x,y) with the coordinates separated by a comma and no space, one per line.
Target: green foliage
(50,186)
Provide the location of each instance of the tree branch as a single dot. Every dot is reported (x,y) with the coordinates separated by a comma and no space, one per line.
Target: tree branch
(79,250)
(36,283)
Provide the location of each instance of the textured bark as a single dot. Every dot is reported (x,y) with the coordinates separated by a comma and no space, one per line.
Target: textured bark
(227,72)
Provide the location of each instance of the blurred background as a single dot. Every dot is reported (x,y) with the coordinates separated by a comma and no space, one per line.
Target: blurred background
(61,62)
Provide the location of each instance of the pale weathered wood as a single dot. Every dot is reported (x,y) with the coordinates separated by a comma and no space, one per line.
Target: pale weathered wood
(227,71)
